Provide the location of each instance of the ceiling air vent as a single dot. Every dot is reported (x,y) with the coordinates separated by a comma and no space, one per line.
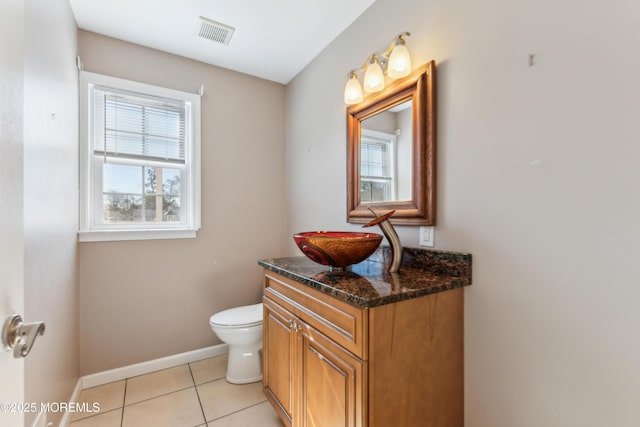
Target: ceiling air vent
(215,31)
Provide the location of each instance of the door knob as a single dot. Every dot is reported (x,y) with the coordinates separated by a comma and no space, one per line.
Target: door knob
(20,336)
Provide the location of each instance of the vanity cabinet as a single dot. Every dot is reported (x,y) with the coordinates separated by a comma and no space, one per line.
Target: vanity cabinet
(330,363)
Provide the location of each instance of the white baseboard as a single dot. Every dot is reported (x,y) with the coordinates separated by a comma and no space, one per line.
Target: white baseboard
(66,418)
(41,420)
(118,374)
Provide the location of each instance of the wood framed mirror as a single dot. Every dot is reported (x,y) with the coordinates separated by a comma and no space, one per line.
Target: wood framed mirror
(391,151)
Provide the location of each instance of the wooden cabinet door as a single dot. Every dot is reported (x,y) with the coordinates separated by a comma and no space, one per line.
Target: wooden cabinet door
(279,355)
(332,383)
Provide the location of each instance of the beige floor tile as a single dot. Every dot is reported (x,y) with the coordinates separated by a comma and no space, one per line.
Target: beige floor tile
(105,419)
(110,396)
(158,383)
(178,409)
(219,398)
(210,369)
(261,415)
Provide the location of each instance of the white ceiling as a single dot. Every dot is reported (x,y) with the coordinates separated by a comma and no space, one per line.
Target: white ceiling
(273,39)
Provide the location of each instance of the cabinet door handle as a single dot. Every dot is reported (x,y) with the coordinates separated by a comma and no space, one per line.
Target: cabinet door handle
(293,325)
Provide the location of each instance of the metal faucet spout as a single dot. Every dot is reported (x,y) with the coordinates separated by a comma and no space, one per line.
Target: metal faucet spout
(391,235)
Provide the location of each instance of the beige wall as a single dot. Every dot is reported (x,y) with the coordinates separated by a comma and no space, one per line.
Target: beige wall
(537,178)
(148,299)
(50,200)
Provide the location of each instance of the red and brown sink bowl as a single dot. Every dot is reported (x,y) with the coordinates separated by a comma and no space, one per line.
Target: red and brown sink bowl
(337,249)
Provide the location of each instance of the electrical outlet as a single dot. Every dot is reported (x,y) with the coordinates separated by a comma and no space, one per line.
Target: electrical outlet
(427,236)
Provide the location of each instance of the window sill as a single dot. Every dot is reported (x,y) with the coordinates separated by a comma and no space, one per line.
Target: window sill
(123,235)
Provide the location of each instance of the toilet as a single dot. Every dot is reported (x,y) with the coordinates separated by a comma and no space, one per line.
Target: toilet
(241,328)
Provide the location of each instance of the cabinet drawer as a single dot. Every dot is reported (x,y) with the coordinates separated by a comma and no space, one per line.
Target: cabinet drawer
(343,323)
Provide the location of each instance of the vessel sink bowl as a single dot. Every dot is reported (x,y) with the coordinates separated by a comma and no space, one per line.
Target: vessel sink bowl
(337,249)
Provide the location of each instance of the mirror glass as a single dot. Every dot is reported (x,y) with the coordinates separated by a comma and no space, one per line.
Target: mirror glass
(385,155)
(391,151)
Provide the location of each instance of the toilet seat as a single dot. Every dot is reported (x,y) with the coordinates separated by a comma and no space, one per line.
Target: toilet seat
(245,316)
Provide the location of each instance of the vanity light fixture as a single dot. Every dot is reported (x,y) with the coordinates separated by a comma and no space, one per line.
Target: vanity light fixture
(353,90)
(373,76)
(395,59)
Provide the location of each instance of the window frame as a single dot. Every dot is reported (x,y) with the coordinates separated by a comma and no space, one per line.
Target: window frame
(391,140)
(90,193)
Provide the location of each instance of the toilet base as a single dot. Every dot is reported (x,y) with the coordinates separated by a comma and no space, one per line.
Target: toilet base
(243,380)
(244,364)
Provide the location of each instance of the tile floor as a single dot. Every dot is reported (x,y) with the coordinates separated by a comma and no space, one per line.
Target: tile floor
(191,395)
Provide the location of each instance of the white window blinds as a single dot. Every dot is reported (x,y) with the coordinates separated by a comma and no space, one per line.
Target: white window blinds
(135,126)
(375,161)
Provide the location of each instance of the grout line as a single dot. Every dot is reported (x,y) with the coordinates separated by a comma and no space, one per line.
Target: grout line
(156,371)
(160,395)
(213,380)
(210,380)
(239,410)
(94,415)
(123,407)
(124,399)
(198,396)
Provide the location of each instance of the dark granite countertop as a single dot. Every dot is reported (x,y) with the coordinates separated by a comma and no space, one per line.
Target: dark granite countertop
(368,284)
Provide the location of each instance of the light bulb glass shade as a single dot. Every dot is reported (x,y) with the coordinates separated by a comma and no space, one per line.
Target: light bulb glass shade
(352,90)
(399,62)
(373,77)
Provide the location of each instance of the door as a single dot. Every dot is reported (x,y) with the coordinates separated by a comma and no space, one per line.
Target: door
(333,383)
(11,200)
(279,354)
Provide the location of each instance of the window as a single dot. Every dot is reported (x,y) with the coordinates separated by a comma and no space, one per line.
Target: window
(377,172)
(139,161)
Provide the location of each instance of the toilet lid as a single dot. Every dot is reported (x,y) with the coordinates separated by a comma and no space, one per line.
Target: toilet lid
(238,316)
